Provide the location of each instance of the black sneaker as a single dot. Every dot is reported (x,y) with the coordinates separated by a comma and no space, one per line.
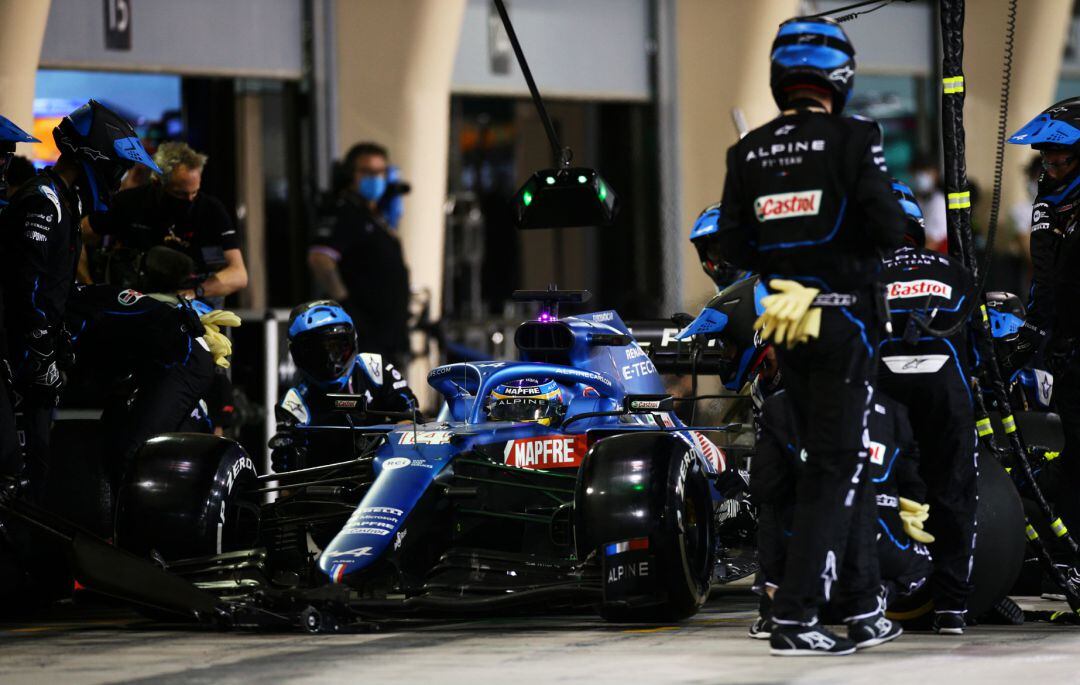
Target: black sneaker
(808,641)
(948,623)
(761,628)
(873,630)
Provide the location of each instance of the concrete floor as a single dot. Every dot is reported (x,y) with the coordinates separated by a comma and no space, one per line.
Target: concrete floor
(80,645)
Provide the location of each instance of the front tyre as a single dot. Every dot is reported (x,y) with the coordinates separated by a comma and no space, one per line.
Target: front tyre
(643,506)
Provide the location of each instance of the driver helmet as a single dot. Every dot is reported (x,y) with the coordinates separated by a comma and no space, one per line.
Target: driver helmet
(812,53)
(705,227)
(322,341)
(105,146)
(535,400)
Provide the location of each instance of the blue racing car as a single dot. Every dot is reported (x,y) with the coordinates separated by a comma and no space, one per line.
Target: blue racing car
(561,481)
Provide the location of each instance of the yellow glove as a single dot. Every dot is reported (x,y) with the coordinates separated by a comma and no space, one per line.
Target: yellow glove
(914,516)
(784,310)
(808,327)
(220,346)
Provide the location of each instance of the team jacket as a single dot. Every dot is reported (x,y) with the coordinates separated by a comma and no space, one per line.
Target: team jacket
(807,197)
(39,250)
(380,383)
(919,282)
(1055,287)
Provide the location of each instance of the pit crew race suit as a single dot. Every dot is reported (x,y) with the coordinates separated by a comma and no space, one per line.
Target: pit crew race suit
(807,198)
(774,471)
(930,377)
(39,250)
(378,381)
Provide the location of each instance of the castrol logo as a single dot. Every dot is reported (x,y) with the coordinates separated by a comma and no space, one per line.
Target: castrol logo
(921,288)
(787,205)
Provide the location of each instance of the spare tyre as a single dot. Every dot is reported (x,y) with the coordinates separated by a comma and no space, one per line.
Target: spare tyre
(644,507)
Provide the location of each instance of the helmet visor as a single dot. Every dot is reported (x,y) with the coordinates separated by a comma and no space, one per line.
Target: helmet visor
(523,409)
(325,354)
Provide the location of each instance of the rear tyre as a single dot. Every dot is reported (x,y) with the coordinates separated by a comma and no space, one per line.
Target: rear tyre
(643,506)
(189,495)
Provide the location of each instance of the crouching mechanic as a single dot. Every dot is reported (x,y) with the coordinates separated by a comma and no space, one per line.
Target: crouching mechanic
(930,376)
(808,205)
(322,342)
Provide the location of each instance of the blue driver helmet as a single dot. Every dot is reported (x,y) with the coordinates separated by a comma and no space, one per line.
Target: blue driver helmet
(105,145)
(1056,128)
(322,341)
(814,54)
(915,226)
(1007,315)
(536,400)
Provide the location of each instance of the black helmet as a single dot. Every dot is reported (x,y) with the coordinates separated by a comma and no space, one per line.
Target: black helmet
(322,340)
(1007,315)
(106,147)
(915,226)
(812,53)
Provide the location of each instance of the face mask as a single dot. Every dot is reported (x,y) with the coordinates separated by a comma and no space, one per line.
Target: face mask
(371,188)
(924,183)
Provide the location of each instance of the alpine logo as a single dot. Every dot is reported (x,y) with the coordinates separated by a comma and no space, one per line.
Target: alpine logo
(551,452)
(921,288)
(784,130)
(843,74)
(787,205)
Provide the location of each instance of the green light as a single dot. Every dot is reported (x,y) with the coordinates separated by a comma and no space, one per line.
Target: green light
(582,179)
(603,191)
(639,487)
(526,198)
(550,180)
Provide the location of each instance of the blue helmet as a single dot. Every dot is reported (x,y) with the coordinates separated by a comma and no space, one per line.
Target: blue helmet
(812,53)
(915,226)
(1007,315)
(705,227)
(1056,128)
(322,341)
(536,400)
(105,145)
(10,134)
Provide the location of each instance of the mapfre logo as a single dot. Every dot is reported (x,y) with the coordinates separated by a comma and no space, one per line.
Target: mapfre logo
(553,452)
(787,205)
(921,288)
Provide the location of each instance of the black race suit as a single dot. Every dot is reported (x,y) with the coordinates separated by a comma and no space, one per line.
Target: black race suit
(807,198)
(378,381)
(931,377)
(120,332)
(39,250)
(774,471)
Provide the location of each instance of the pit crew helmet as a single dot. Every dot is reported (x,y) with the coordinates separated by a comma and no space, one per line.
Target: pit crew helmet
(729,317)
(10,134)
(1007,315)
(705,227)
(915,226)
(812,53)
(105,146)
(534,400)
(1055,128)
(322,341)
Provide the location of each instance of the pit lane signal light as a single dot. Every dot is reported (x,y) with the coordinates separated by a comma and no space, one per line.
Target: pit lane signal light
(564,198)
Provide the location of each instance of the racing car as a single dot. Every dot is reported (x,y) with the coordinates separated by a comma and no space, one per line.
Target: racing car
(611,508)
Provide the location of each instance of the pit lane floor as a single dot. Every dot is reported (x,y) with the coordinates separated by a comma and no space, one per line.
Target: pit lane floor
(77,645)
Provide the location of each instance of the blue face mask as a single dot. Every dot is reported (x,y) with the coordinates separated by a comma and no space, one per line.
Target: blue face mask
(371,188)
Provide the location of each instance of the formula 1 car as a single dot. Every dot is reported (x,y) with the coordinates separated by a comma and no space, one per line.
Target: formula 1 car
(613,508)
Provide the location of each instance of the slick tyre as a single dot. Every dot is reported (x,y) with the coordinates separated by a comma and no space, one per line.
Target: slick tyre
(643,507)
(189,495)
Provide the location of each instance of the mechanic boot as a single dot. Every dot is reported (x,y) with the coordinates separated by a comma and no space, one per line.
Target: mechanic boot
(815,640)
(761,628)
(873,630)
(949,622)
